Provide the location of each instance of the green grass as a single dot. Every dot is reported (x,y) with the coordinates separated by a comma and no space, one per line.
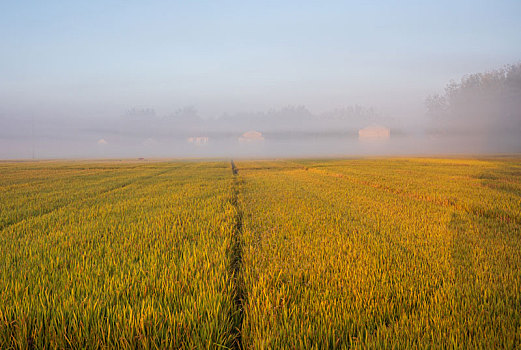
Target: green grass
(395,252)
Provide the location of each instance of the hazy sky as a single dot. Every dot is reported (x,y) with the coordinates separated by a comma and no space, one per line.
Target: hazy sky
(95,57)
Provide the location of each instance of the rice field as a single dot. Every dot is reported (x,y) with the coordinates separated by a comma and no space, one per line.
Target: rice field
(298,254)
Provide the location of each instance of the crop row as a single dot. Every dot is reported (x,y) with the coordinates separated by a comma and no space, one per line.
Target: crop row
(276,254)
(355,254)
(129,261)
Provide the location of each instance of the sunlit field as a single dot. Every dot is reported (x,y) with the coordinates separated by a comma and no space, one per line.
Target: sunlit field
(350,253)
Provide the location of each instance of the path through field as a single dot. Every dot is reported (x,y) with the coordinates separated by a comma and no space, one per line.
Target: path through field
(237,258)
(393,252)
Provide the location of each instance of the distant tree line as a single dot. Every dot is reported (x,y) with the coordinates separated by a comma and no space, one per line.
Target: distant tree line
(489,102)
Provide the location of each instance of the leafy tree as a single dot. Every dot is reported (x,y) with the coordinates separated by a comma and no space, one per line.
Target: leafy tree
(488,101)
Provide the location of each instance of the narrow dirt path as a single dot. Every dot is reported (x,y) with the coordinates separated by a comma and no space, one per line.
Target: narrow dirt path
(236,259)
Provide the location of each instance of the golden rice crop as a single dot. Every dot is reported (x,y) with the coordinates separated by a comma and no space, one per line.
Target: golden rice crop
(394,252)
(382,253)
(128,257)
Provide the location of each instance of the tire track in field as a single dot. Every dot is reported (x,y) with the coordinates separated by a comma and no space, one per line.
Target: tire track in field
(498,215)
(236,259)
(86,201)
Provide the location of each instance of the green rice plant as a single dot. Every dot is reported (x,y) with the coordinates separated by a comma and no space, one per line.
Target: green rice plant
(137,257)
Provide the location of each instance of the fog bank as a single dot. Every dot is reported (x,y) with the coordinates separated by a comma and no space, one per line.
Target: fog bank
(302,78)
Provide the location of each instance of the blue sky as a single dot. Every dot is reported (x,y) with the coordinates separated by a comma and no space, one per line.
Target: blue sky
(101,57)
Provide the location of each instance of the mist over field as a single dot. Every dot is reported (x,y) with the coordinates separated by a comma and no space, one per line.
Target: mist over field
(236,80)
(260,174)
